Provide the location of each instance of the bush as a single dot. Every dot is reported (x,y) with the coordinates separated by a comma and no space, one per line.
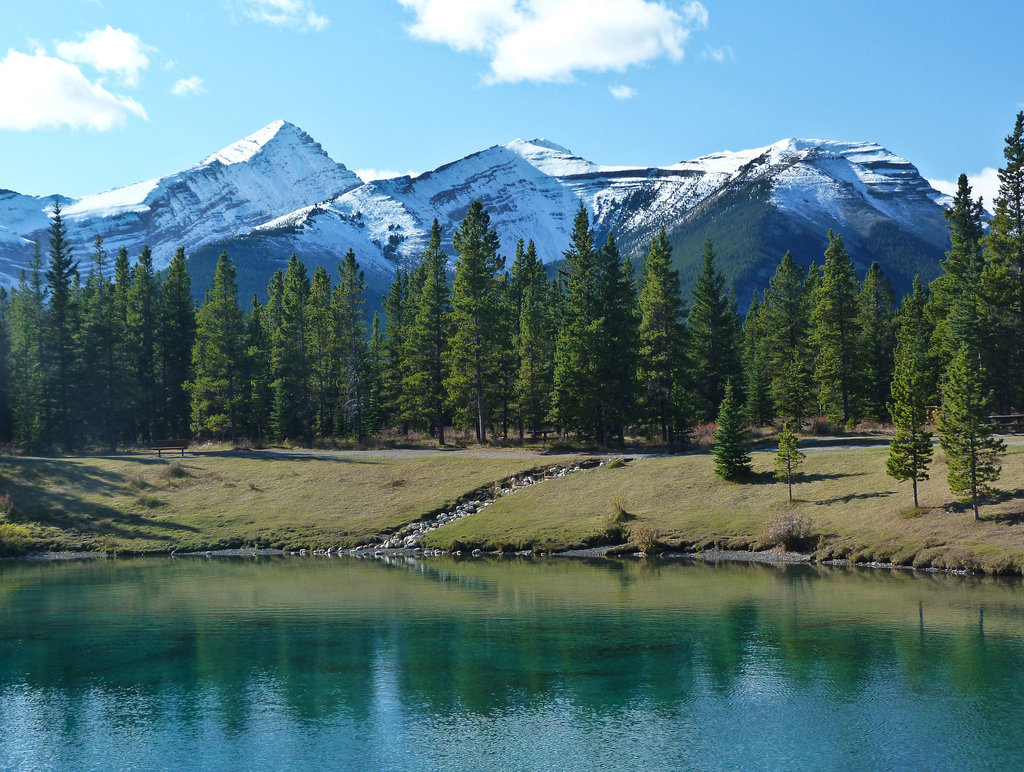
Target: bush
(790,531)
(615,463)
(703,435)
(647,538)
(619,511)
(820,426)
(6,505)
(14,539)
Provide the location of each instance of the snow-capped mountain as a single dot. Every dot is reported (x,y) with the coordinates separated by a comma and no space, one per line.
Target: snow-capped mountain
(277,192)
(276,170)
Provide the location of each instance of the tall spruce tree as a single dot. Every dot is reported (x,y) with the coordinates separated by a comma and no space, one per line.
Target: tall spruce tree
(176,340)
(474,353)
(616,343)
(972,452)
(349,306)
(834,333)
(293,408)
(785,321)
(98,346)
(574,397)
(28,379)
(395,403)
(535,344)
(125,419)
(60,356)
(755,365)
(732,441)
(218,389)
(876,341)
(910,451)
(662,337)
(714,348)
(273,315)
(429,333)
(323,353)
(259,380)
(6,415)
(143,312)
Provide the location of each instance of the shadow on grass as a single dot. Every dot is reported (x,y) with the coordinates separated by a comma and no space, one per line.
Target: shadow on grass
(769,478)
(995,497)
(854,497)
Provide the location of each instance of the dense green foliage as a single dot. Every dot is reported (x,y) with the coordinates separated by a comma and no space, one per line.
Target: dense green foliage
(732,441)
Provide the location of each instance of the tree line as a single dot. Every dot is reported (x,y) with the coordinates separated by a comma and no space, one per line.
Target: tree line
(602,350)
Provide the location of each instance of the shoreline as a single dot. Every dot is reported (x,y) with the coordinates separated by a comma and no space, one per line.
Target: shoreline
(714,556)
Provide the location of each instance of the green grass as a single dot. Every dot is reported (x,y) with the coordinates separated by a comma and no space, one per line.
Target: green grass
(219,500)
(858,512)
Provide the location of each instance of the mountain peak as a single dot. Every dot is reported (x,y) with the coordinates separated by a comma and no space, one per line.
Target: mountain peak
(550,158)
(245,149)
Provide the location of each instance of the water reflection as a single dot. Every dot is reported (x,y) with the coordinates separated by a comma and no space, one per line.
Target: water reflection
(708,666)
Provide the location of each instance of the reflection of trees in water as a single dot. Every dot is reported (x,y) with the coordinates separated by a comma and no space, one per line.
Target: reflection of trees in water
(184,663)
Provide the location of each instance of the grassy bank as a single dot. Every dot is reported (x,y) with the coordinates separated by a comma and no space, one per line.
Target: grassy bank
(856,511)
(139,503)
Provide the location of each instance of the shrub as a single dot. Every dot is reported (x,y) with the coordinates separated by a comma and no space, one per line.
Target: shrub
(821,426)
(790,531)
(647,538)
(14,539)
(619,512)
(615,463)
(6,505)
(703,435)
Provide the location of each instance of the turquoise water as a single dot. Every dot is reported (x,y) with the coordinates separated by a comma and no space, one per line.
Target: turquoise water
(299,663)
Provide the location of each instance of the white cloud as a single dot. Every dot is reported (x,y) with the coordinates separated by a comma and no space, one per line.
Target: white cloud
(984,183)
(622,92)
(551,40)
(109,50)
(368,175)
(39,91)
(186,86)
(718,54)
(299,14)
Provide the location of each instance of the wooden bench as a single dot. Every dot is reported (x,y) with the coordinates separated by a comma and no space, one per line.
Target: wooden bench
(1012,423)
(161,445)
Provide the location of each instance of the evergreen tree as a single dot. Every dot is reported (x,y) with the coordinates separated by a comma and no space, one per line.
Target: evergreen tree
(143,311)
(293,413)
(714,348)
(574,397)
(732,441)
(98,345)
(350,332)
(61,330)
(6,415)
(755,365)
(260,392)
(615,343)
(534,343)
(789,458)
(273,315)
(428,338)
(375,407)
(176,340)
(875,311)
(395,405)
(323,353)
(972,452)
(662,339)
(910,451)
(834,325)
(785,321)
(474,352)
(219,390)
(29,382)
(124,378)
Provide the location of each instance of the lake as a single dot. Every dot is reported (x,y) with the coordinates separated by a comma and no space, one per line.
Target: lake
(504,664)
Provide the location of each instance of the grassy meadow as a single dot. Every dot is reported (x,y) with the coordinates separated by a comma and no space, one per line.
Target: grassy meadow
(856,511)
(140,503)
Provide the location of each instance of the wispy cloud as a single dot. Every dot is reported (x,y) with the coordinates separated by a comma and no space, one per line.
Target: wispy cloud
(368,175)
(41,91)
(718,54)
(109,50)
(622,92)
(984,183)
(186,86)
(298,14)
(551,40)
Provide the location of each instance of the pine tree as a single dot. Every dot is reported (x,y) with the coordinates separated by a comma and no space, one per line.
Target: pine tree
(535,345)
(662,341)
(176,339)
(785,323)
(395,404)
(259,389)
(6,415)
(732,441)
(61,330)
(98,344)
(474,352)
(910,451)
(789,457)
(143,310)
(125,418)
(323,353)
(293,414)
(29,382)
(219,390)
(876,341)
(349,307)
(574,396)
(428,337)
(273,314)
(834,332)
(375,408)
(714,348)
(755,365)
(616,343)
(972,452)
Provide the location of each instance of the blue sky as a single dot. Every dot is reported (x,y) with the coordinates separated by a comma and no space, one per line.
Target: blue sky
(100,93)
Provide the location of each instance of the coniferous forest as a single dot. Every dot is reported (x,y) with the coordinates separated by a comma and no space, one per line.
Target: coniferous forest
(97,352)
